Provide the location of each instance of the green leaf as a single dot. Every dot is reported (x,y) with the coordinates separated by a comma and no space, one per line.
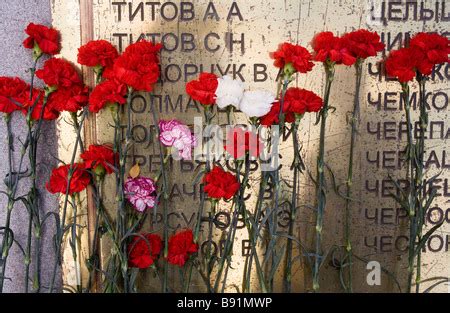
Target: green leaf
(26,203)
(133,275)
(276,263)
(430,200)
(426,236)
(198,177)
(135,171)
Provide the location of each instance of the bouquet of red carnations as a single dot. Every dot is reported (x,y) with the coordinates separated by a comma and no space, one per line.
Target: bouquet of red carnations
(132,248)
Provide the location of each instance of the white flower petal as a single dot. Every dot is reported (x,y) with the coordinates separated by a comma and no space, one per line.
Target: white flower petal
(257,103)
(229,92)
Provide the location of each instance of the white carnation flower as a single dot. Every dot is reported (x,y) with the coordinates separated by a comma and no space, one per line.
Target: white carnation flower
(229,92)
(257,103)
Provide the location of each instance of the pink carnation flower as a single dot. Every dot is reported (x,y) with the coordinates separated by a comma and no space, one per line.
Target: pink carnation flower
(141,192)
(177,135)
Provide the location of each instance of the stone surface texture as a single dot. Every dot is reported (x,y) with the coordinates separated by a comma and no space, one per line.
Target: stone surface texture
(15,61)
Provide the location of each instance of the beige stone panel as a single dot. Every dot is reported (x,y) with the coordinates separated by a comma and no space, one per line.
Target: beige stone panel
(265,25)
(66,18)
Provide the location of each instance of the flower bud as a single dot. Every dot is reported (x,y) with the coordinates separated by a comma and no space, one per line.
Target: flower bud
(50,89)
(98,69)
(37,52)
(298,118)
(289,70)
(100,171)
(113,108)
(349,247)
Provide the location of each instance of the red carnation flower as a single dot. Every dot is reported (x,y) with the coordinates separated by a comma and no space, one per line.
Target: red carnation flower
(97,53)
(327,47)
(107,92)
(142,254)
(138,66)
(402,64)
(37,103)
(220,184)
(59,178)
(47,39)
(59,73)
(363,43)
(70,99)
(272,118)
(11,91)
(298,56)
(299,101)
(181,246)
(100,158)
(204,89)
(434,50)
(240,142)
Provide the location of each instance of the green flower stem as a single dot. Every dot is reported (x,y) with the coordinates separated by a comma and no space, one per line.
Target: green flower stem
(117,268)
(239,210)
(209,256)
(113,267)
(256,231)
(14,181)
(296,166)
(228,252)
(410,153)
(166,230)
(6,240)
(208,111)
(33,72)
(281,115)
(96,182)
(228,246)
(32,208)
(60,235)
(93,262)
(354,122)
(209,114)
(77,127)
(321,193)
(165,194)
(122,218)
(196,239)
(208,118)
(33,197)
(282,88)
(73,239)
(423,120)
(251,232)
